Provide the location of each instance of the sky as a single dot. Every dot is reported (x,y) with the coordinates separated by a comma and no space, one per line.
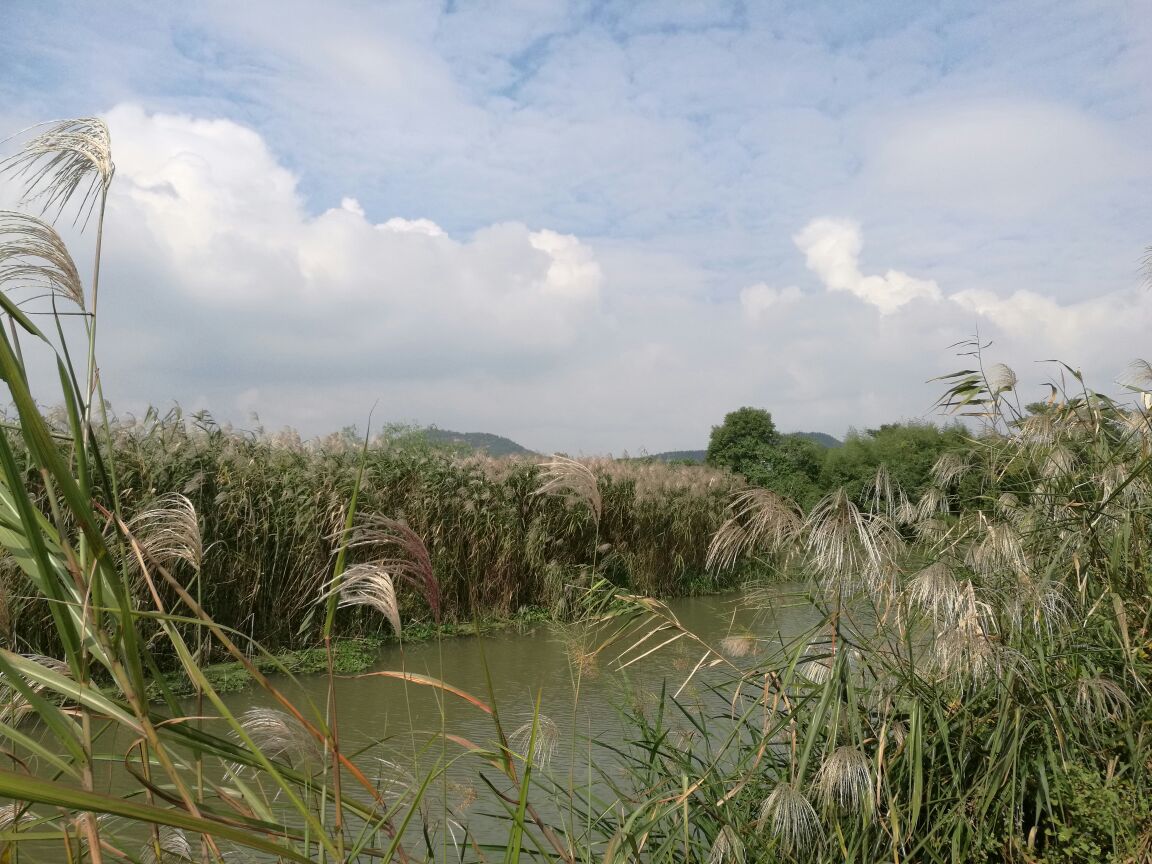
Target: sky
(599,226)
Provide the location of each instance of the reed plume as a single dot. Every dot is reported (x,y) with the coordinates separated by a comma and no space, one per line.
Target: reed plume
(33,257)
(569,478)
(790,817)
(66,157)
(369,585)
(400,552)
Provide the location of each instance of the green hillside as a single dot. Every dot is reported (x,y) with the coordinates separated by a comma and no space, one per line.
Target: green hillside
(486,442)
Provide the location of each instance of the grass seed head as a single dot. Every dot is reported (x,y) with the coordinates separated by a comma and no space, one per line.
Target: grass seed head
(790,817)
(278,734)
(570,478)
(168,531)
(544,745)
(1100,699)
(168,846)
(66,157)
(727,848)
(370,585)
(33,257)
(845,780)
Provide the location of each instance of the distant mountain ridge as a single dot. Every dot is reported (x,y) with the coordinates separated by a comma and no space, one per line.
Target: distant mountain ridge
(820,438)
(498,445)
(485,442)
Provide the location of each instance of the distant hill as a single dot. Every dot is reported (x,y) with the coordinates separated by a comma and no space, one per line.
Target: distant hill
(486,442)
(680,456)
(820,438)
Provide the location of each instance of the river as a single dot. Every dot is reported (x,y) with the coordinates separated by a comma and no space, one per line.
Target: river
(393,729)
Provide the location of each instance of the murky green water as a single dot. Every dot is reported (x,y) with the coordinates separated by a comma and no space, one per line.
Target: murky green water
(395,728)
(536,662)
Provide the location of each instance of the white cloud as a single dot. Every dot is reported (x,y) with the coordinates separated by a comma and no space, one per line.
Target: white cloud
(1112,326)
(760,299)
(230,221)
(833,247)
(222,285)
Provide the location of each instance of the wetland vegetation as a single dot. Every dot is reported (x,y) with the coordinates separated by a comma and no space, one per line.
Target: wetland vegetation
(969,682)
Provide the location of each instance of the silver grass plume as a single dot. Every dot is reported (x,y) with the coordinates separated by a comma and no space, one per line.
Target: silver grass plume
(936,593)
(738,645)
(1100,699)
(369,585)
(934,532)
(544,745)
(393,779)
(1044,604)
(169,531)
(571,479)
(11,814)
(845,780)
(884,495)
(999,552)
(950,467)
(33,257)
(1000,378)
(168,846)
(277,734)
(933,503)
(66,157)
(816,662)
(1008,507)
(760,519)
(790,818)
(1060,463)
(967,653)
(400,551)
(842,545)
(727,848)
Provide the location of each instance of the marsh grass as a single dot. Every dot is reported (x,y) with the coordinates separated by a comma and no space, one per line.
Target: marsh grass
(976,654)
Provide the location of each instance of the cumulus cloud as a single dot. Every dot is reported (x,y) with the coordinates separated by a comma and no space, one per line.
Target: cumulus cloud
(832,248)
(1114,325)
(230,286)
(236,235)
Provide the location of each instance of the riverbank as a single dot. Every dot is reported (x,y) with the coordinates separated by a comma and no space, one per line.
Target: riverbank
(350,655)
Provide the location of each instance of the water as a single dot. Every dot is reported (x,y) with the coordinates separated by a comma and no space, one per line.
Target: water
(394,730)
(400,724)
(526,664)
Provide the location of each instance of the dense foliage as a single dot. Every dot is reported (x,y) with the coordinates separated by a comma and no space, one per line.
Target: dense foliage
(748,443)
(269,506)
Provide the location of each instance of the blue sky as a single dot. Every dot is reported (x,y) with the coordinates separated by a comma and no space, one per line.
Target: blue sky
(600,226)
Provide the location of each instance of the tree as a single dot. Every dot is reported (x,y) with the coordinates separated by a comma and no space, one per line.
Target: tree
(744,443)
(748,443)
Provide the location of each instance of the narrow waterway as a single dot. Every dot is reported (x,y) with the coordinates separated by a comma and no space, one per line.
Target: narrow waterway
(399,732)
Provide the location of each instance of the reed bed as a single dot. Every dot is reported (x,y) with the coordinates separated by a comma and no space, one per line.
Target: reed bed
(978,687)
(269,506)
